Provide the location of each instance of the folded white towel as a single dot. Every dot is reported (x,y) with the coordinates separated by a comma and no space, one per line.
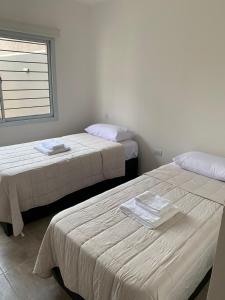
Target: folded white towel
(53,144)
(46,151)
(144,216)
(155,204)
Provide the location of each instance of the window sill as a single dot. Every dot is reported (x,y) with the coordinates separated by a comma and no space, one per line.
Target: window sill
(28,121)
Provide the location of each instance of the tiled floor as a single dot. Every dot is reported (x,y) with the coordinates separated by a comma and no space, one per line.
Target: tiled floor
(17,257)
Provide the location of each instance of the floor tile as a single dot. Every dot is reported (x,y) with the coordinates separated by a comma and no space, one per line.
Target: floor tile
(16,251)
(17,259)
(30,287)
(6,291)
(203,294)
(1,271)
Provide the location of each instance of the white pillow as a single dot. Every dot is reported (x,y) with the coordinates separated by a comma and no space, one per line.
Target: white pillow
(202,163)
(110,132)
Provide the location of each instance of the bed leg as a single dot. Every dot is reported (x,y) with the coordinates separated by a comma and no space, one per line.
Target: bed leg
(203,283)
(7,228)
(57,275)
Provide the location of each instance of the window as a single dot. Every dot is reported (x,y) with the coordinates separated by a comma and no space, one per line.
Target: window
(26,77)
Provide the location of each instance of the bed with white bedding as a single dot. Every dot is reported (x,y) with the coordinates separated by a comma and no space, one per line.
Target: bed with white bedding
(30,179)
(130,149)
(103,254)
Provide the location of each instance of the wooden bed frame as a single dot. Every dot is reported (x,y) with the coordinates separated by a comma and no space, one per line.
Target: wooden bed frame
(57,275)
(76,197)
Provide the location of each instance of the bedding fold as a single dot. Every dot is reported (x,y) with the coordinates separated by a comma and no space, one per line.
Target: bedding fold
(206,187)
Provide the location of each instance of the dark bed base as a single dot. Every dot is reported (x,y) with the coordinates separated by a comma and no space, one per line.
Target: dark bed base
(74,296)
(77,197)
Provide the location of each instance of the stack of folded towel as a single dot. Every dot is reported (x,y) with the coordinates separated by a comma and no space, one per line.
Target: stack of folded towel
(51,147)
(149,210)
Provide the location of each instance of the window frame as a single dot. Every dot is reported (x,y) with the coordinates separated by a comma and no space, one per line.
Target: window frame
(50,43)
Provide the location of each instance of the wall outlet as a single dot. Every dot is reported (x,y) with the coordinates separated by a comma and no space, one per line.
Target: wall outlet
(158,152)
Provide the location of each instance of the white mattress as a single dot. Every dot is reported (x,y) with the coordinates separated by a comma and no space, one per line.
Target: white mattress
(131,149)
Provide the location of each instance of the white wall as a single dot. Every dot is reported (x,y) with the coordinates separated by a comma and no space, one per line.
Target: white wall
(160,69)
(155,66)
(73,62)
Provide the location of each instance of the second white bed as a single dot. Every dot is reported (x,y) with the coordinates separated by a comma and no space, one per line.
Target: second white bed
(103,254)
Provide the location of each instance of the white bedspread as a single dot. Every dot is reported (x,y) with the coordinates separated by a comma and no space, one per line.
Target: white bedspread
(29,178)
(104,255)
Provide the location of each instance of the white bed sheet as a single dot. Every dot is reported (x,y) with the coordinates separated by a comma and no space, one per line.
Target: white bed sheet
(103,254)
(29,178)
(131,149)
(178,283)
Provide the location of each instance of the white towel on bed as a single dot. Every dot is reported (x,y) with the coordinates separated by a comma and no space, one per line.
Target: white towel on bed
(53,144)
(145,216)
(46,151)
(154,203)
